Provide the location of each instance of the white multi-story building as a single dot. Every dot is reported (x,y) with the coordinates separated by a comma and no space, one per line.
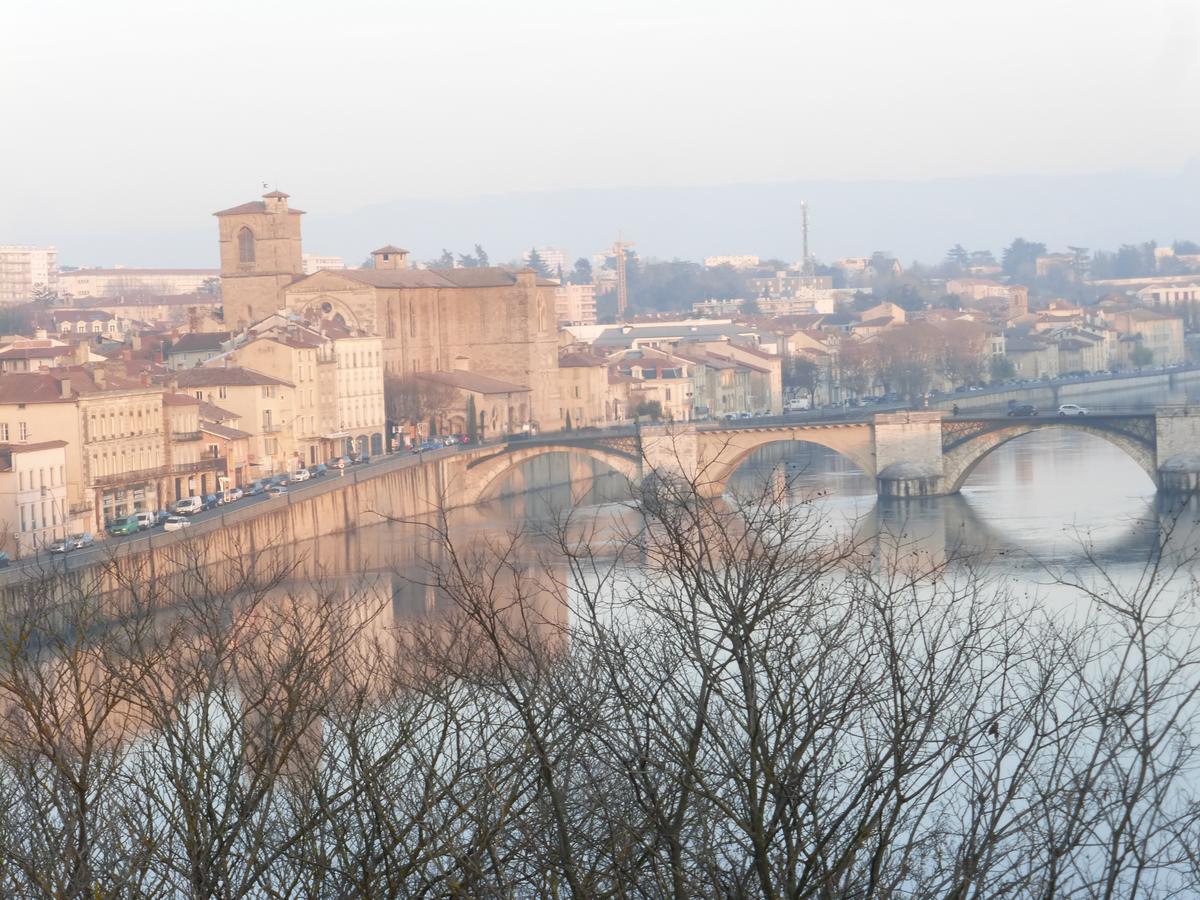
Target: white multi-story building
(127,282)
(314,263)
(575,304)
(553,258)
(33,495)
(23,270)
(738,262)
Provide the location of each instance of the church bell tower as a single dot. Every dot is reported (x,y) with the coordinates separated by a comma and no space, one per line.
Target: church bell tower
(260,256)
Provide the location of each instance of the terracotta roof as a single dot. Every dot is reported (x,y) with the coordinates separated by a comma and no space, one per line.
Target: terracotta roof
(232,434)
(59,314)
(199,342)
(28,448)
(473,382)
(491,276)
(276,195)
(13,352)
(254,206)
(170,399)
(390,248)
(31,387)
(230,376)
(210,412)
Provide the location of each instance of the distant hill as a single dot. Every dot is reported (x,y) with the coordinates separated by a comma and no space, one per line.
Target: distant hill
(914,220)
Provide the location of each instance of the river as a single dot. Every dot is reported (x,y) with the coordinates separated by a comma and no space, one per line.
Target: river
(1052,501)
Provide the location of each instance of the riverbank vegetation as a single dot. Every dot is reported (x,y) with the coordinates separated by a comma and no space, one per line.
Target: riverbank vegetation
(719,699)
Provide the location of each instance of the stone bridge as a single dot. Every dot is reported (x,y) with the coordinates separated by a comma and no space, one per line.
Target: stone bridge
(914,453)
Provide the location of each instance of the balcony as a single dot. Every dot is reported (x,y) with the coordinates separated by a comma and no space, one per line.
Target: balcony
(208,464)
(131,477)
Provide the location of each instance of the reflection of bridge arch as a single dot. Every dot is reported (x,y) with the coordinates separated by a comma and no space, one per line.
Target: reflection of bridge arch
(483,474)
(960,456)
(855,442)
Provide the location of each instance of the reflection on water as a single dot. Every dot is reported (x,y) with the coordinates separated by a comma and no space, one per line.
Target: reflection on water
(1046,499)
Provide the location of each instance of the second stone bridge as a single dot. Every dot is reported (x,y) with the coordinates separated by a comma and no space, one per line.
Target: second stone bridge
(915,453)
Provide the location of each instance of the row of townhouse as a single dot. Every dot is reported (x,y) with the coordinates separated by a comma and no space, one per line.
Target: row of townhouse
(103,445)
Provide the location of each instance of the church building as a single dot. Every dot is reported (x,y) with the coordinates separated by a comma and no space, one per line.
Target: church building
(489,320)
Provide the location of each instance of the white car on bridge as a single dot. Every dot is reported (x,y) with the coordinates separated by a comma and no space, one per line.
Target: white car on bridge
(1072,409)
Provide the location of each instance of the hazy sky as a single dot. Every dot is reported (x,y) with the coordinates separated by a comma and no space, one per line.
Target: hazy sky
(134,113)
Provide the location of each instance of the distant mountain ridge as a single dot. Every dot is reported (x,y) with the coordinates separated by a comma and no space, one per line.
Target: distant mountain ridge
(912,219)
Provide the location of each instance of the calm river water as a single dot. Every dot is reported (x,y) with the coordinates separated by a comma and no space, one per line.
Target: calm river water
(1040,503)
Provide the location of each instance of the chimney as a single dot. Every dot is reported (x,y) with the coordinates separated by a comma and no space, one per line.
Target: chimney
(64,388)
(145,379)
(40,334)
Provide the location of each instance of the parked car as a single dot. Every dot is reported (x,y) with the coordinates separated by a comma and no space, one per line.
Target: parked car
(301,475)
(187,506)
(161,516)
(452,439)
(73,542)
(283,479)
(1023,409)
(127,525)
(233,495)
(319,470)
(176,523)
(427,446)
(362,459)
(1072,409)
(5,560)
(256,487)
(212,501)
(277,490)
(146,520)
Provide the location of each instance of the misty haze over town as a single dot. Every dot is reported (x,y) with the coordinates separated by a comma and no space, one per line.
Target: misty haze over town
(529,449)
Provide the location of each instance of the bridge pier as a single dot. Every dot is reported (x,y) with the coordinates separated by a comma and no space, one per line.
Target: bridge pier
(908,454)
(1177,439)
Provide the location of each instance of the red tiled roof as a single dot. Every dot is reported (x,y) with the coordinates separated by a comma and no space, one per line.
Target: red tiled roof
(199,342)
(230,376)
(170,399)
(31,387)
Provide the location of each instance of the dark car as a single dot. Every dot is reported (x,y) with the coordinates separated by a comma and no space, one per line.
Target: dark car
(5,560)
(212,501)
(361,460)
(427,446)
(1023,409)
(283,479)
(256,488)
(319,470)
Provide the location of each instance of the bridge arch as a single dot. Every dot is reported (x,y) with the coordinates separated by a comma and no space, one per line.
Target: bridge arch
(724,452)
(959,462)
(483,474)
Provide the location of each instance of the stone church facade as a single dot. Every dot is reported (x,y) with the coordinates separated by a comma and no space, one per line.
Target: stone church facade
(490,321)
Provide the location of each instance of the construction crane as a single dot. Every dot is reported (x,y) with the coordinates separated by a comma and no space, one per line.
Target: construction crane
(618,249)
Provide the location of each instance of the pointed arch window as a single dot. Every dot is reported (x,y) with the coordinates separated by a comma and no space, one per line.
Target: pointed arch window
(245,240)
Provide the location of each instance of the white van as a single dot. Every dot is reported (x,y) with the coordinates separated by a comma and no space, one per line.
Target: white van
(797,404)
(145,520)
(188,506)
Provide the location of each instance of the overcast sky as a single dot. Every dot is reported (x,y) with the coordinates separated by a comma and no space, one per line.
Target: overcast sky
(160,112)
